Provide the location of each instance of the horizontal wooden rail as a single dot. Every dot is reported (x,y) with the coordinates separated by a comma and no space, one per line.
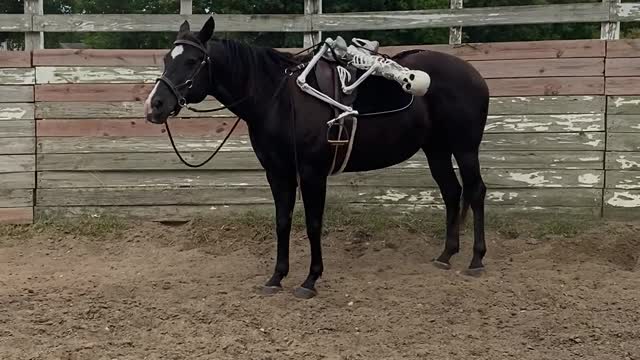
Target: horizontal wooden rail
(437,18)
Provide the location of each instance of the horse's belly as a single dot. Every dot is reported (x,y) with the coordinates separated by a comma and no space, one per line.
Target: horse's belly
(379,145)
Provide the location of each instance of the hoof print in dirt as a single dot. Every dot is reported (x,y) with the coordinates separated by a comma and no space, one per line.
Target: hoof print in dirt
(271,290)
(304,293)
(441,265)
(476,272)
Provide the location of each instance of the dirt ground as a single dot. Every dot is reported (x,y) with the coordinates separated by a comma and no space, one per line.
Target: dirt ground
(168,291)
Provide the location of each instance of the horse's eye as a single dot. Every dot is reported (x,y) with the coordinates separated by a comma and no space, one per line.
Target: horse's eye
(191,62)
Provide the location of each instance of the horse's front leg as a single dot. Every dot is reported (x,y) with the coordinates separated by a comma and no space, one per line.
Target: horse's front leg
(314,190)
(283,189)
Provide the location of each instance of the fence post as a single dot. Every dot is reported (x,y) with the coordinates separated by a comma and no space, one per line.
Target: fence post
(455,33)
(186,7)
(33,40)
(312,7)
(610,30)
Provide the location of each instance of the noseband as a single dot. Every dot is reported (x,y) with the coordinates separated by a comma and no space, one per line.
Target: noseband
(175,89)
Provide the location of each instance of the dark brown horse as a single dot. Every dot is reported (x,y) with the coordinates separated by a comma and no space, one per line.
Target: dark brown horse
(288,131)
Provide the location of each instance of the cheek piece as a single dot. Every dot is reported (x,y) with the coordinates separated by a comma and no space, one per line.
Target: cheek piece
(176,89)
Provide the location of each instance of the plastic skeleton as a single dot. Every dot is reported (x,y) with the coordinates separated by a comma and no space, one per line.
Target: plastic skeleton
(414,82)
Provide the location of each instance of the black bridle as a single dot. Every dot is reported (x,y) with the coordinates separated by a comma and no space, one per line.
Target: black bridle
(182,100)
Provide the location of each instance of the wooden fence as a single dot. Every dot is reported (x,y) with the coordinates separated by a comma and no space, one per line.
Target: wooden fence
(563,137)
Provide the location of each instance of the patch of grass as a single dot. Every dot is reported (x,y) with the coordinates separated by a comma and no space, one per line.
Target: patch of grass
(89,226)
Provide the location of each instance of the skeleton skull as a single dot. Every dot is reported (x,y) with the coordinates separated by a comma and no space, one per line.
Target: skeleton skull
(416,82)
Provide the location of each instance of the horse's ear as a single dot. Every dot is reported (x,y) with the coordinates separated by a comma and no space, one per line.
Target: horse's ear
(207,30)
(185,28)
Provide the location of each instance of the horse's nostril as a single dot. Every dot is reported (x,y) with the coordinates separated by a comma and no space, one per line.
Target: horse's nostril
(156,104)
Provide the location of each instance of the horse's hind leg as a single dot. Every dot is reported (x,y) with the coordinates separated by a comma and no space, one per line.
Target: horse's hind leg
(442,171)
(473,194)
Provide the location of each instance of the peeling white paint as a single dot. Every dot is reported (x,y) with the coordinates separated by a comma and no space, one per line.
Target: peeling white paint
(422,197)
(392,195)
(622,101)
(588,179)
(594,158)
(496,196)
(96,74)
(532,179)
(12,113)
(627,164)
(624,199)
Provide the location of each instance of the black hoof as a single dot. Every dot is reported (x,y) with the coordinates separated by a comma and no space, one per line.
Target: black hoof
(271,290)
(441,265)
(304,293)
(475,272)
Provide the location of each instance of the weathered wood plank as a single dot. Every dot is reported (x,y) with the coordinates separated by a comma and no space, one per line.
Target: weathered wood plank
(623,123)
(342,194)
(623,67)
(17,146)
(491,69)
(494,178)
(502,159)
(626,12)
(185,213)
(16,111)
(246,160)
(548,49)
(498,106)
(622,85)
(622,179)
(17,128)
(109,110)
(17,163)
(98,57)
(18,180)
(547,86)
(97,74)
(16,215)
(17,76)
(623,105)
(14,23)
(92,92)
(14,59)
(16,94)
(622,200)
(225,160)
(201,127)
(623,142)
(547,105)
(80,145)
(169,23)
(545,123)
(12,198)
(544,141)
(503,15)
(217,127)
(622,161)
(623,48)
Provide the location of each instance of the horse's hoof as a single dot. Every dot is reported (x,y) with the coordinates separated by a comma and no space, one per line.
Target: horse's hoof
(441,265)
(304,293)
(271,290)
(475,272)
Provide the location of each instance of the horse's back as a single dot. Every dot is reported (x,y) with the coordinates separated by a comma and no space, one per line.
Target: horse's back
(458,98)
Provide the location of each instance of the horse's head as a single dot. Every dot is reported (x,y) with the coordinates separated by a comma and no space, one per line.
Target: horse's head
(186,76)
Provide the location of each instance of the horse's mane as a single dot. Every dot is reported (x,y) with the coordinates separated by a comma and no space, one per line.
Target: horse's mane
(258,64)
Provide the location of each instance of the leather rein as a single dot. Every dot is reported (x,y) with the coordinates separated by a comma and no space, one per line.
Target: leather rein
(182,101)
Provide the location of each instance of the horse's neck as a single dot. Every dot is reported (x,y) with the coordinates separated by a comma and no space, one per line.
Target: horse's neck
(234,85)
